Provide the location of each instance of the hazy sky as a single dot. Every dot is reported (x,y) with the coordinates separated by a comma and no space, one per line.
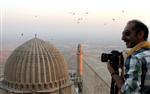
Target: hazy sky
(73,20)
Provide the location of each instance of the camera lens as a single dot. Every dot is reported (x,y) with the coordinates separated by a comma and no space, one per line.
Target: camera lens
(105,57)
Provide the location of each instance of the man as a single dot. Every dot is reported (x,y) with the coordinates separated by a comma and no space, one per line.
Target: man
(137,64)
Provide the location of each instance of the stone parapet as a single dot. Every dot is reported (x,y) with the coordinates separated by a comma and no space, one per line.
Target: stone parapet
(96,78)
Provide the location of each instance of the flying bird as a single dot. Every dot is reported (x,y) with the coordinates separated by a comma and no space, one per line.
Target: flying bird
(87,13)
(122,11)
(79,18)
(113,19)
(21,34)
(78,22)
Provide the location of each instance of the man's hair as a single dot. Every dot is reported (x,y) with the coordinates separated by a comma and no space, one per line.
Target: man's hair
(140,26)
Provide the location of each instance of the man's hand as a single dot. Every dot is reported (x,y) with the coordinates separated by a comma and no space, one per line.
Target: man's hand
(119,80)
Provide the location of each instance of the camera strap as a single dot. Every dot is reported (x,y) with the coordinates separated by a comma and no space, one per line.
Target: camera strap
(144,70)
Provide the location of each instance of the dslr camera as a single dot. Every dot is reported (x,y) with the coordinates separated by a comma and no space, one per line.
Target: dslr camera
(115,58)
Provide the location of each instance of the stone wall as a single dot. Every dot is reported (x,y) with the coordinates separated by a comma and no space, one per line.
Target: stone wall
(96,78)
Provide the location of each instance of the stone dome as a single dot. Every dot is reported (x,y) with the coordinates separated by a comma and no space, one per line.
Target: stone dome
(35,65)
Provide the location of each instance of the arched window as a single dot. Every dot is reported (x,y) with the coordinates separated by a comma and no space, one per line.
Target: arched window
(16,86)
(33,86)
(21,86)
(55,84)
(27,86)
(50,85)
(45,86)
(39,86)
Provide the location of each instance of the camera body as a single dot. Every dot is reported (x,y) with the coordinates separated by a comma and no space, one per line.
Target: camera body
(115,58)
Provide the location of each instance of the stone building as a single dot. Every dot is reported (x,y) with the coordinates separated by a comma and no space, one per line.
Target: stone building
(35,67)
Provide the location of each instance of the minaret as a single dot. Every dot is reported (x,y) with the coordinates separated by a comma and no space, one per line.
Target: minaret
(79,60)
(79,68)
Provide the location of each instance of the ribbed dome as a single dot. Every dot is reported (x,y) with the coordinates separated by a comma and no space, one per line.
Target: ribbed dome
(35,65)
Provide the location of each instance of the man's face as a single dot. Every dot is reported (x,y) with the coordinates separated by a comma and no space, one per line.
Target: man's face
(129,36)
